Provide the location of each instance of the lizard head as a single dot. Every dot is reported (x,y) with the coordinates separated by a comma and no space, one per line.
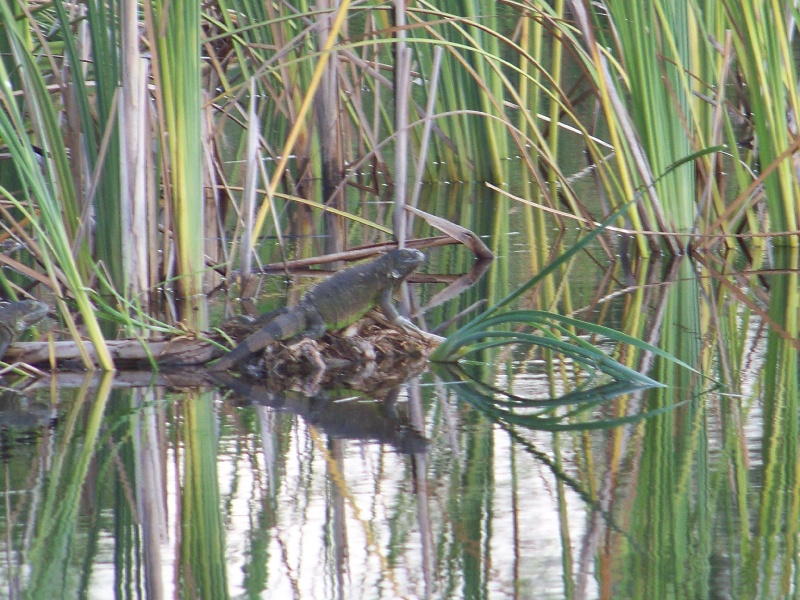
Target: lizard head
(403,261)
(18,316)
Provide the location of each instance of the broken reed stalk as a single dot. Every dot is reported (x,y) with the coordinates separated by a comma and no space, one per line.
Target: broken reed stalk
(401,148)
(401,93)
(329,135)
(426,130)
(250,185)
(133,150)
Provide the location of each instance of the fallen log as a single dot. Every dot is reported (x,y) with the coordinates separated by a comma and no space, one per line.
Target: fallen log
(362,341)
(183,351)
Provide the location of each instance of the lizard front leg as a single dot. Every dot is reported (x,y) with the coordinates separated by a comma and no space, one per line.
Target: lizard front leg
(391,314)
(315,326)
(389,310)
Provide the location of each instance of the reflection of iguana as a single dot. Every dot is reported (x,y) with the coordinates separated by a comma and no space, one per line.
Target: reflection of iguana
(335,303)
(342,414)
(16,317)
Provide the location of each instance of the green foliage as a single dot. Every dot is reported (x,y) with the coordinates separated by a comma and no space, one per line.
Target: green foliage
(639,88)
(551,325)
(179,79)
(768,66)
(48,199)
(573,411)
(96,111)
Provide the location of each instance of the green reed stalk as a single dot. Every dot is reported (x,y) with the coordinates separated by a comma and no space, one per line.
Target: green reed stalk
(97,112)
(531,44)
(659,104)
(177,34)
(483,91)
(8,172)
(556,71)
(649,104)
(710,68)
(549,298)
(767,61)
(494,130)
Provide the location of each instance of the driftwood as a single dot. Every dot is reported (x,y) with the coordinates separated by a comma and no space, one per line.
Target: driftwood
(176,351)
(362,342)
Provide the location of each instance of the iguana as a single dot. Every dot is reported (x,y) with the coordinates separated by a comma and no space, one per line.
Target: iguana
(335,303)
(16,317)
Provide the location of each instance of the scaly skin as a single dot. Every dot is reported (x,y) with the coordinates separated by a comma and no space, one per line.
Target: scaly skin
(335,303)
(16,317)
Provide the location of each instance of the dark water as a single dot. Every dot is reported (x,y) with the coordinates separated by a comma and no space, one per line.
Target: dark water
(116,488)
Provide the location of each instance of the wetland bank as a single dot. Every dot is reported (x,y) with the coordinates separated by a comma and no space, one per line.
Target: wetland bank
(156,156)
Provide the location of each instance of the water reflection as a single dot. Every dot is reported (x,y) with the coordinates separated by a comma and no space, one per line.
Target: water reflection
(343,414)
(126,488)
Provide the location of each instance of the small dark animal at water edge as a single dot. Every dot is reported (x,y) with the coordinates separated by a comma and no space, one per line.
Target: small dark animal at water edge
(16,317)
(335,303)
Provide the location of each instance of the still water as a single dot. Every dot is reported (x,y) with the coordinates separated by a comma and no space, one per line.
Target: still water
(438,487)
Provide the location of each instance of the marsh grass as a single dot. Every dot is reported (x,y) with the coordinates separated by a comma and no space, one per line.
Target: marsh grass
(48,203)
(142,117)
(663,99)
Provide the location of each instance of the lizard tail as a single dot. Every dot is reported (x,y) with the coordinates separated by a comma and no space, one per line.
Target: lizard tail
(230,359)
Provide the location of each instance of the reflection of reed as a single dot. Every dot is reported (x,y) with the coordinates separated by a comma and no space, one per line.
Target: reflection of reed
(770,559)
(420,473)
(150,477)
(648,296)
(650,299)
(52,530)
(203,566)
(657,497)
(683,489)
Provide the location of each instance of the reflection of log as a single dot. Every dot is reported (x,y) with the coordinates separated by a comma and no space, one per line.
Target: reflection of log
(175,351)
(180,378)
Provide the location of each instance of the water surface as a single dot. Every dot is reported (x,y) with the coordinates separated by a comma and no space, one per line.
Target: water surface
(114,488)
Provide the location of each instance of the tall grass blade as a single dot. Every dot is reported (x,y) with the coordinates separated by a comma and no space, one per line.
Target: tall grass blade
(178,40)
